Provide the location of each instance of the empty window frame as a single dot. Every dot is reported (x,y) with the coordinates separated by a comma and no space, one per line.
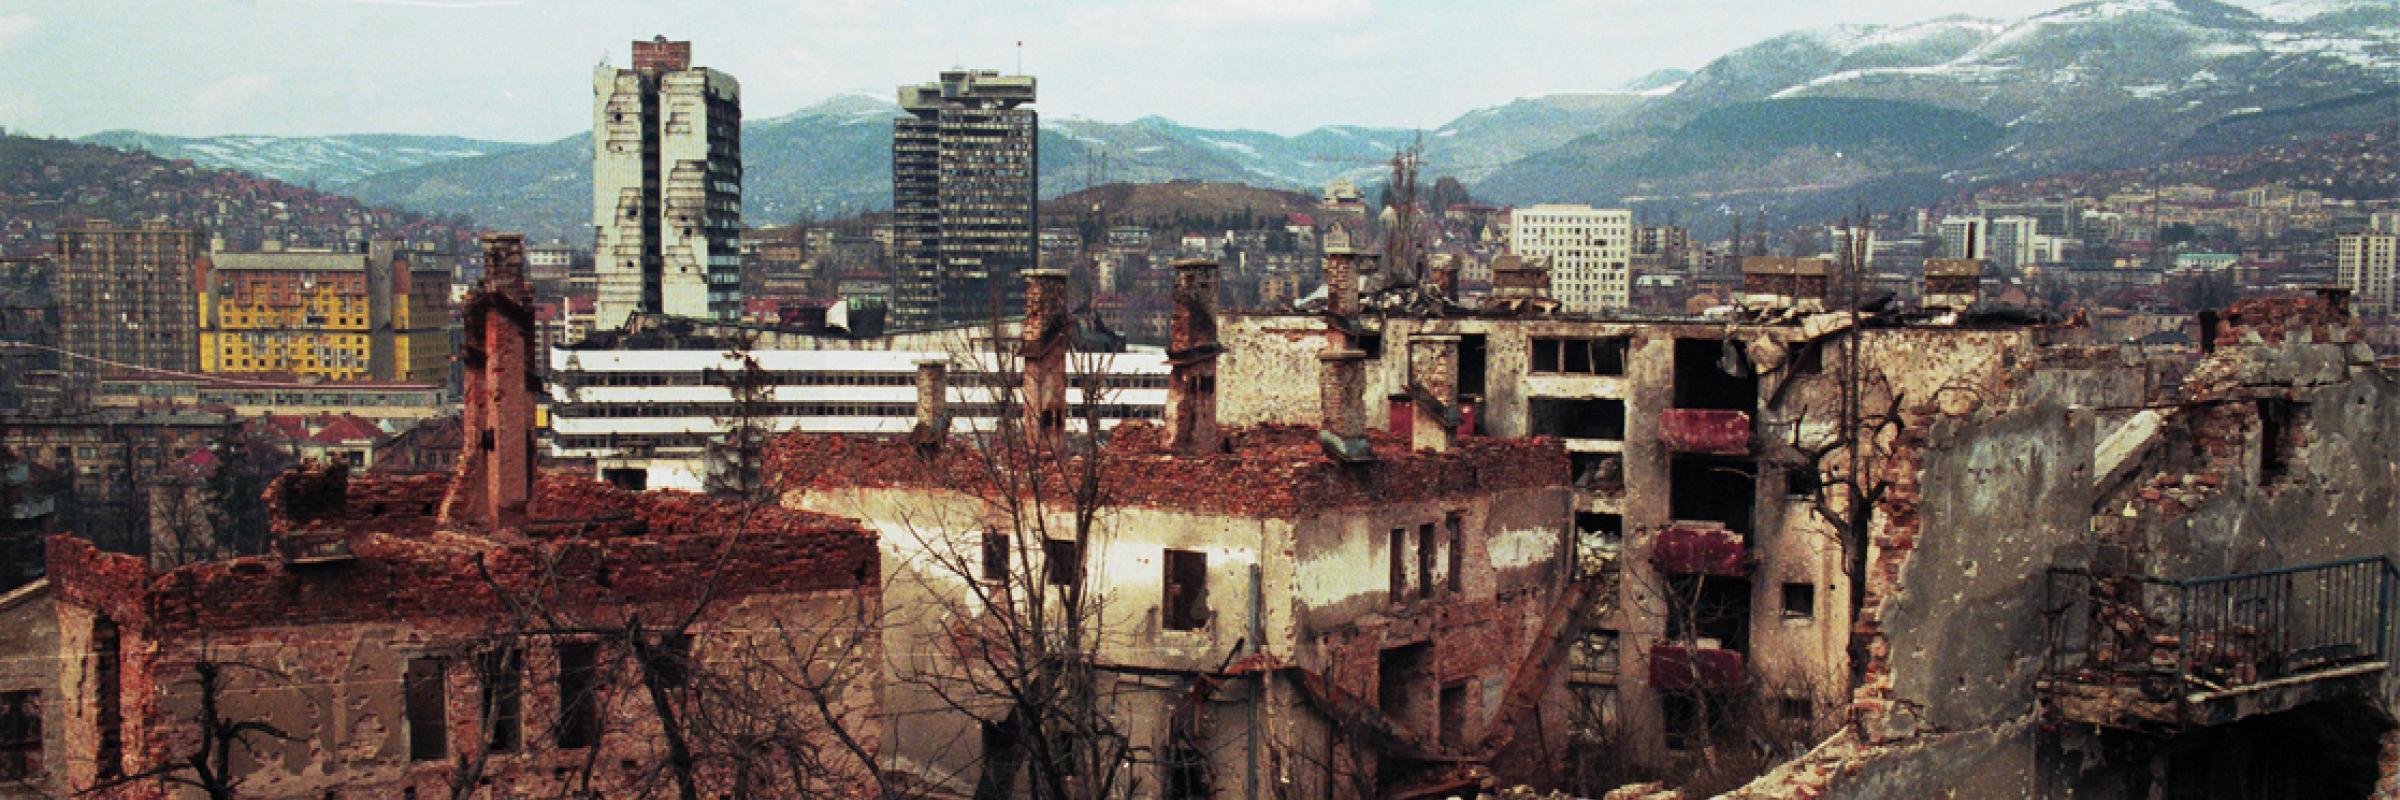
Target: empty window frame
(1576,418)
(578,695)
(1578,356)
(1184,604)
(1799,601)
(425,701)
(1399,559)
(1062,561)
(20,736)
(501,674)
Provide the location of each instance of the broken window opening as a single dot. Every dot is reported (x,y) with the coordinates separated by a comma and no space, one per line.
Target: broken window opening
(108,695)
(1712,488)
(1691,719)
(1452,716)
(1456,549)
(1404,681)
(1472,363)
(632,479)
(1606,529)
(1425,554)
(1799,601)
(1714,373)
(995,557)
(501,674)
(1576,418)
(1598,472)
(1062,561)
(1802,481)
(1710,611)
(20,736)
(1573,356)
(1798,709)
(1186,592)
(578,695)
(1185,771)
(1399,559)
(2279,437)
(1370,344)
(427,709)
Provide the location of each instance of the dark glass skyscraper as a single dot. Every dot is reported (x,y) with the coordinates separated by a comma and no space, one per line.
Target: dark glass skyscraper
(964,185)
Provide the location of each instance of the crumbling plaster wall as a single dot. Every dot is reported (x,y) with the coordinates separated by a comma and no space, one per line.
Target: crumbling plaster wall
(29,651)
(1321,602)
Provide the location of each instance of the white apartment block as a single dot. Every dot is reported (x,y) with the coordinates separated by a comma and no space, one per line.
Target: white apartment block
(2369,265)
(1590,251)
(666,187)
(2012,241)
(1965,237)
(647,417)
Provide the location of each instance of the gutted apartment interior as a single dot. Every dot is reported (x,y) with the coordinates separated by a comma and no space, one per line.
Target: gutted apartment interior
(1316,610)
(1769,503)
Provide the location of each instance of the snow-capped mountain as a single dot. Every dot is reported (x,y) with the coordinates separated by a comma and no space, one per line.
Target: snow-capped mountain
(1891,113)
(327,161)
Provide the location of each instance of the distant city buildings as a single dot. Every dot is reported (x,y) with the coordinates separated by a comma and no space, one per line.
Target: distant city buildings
(1590,251)
(2011,240)
(125,295)
(1965,237)
(666,187)
(2369,266)
(375,313)
(963,197)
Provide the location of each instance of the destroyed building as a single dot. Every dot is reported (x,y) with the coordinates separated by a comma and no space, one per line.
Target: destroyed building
(1301,609)
(2228,515)
(492,632)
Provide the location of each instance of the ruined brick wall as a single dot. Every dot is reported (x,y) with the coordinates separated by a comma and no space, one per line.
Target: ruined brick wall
(324,644)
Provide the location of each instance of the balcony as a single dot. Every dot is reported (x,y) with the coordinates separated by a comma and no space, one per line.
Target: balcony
(1699,548)
(2145,653)
(1705,430)
(1681,668)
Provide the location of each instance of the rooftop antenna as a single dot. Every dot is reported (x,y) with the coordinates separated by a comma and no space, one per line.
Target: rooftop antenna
(1020,56)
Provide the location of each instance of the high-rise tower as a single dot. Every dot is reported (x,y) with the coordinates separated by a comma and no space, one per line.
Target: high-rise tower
(963,197)
(666,187)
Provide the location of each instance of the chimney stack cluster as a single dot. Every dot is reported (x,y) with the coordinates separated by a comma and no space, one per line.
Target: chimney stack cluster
(1192,350)
(1341,381)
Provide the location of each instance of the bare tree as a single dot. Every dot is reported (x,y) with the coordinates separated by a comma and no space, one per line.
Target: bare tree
(207,765)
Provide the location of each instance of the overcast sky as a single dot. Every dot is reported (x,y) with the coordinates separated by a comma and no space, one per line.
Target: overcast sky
(520,70)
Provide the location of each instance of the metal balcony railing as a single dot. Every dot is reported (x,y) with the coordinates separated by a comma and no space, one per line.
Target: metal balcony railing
(2219,632)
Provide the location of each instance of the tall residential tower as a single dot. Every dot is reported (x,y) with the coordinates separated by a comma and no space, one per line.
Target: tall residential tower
(125,295)
(1590,251)
(666,186)
(963,196)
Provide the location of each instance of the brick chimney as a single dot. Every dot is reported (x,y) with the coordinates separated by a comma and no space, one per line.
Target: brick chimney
(1952,282)
(933,402)
(1433,390)
(1341,280)
(1192,354)
(1046,337)
(1342,411)
(495,470)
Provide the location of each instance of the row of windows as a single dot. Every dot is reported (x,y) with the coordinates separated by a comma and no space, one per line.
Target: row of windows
(729,410)
(715,377)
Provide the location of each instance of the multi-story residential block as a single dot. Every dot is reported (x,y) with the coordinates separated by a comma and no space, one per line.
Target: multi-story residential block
(1965,237)
(125,296)
(666,187)
(2368,264)
(2011,241)
(1590,251)
(372,313)
(963,197)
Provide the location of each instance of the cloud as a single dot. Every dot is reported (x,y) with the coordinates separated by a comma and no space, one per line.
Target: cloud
(227,98)
(1227,13)
(14,27)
